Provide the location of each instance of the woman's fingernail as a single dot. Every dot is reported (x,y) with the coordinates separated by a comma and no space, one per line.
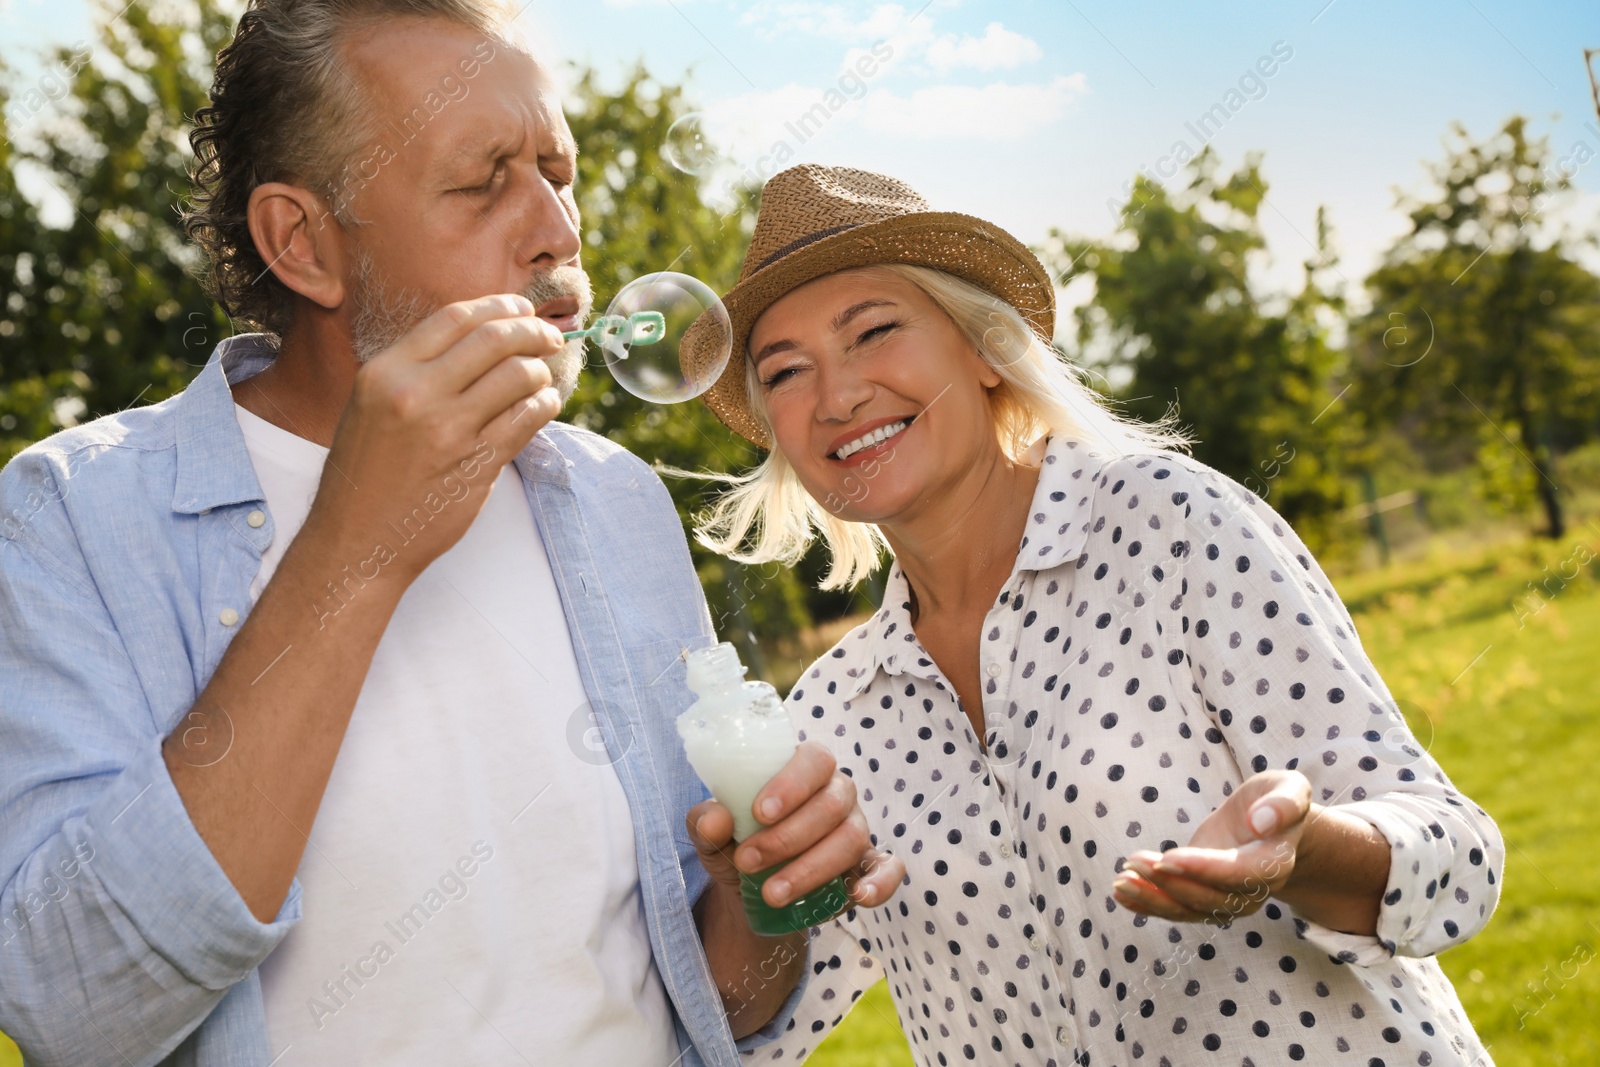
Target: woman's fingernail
(771,806)
(1264,820)
(780,890)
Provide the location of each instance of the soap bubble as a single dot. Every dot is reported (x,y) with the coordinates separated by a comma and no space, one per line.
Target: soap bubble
(643,330)
(688,146)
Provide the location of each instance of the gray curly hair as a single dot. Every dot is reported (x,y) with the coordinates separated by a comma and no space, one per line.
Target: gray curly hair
(285,107)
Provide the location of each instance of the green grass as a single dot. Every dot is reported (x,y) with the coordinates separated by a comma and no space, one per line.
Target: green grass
(1510,712)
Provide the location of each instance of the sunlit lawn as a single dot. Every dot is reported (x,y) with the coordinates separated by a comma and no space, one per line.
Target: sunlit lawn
(1511,714)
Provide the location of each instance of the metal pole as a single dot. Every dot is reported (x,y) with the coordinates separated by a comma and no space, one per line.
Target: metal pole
(1369,489)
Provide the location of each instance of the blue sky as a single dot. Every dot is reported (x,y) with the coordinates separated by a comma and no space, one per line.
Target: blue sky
(1034,114)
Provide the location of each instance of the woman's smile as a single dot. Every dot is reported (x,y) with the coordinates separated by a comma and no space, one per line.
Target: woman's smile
(871,440)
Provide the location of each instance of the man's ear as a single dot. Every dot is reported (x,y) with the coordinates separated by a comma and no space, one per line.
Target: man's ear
(301,242)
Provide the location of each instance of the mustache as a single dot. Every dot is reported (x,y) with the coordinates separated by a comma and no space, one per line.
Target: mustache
(559,283)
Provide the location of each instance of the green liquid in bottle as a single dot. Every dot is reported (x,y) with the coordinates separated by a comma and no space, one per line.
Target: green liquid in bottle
(737,736)
(813,909)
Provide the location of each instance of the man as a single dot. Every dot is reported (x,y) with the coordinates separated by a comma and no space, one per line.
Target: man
(296,713)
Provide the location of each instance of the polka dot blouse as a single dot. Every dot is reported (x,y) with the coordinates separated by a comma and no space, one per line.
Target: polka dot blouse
(1163,636)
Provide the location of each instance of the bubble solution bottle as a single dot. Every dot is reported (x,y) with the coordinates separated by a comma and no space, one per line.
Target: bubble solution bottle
(737,737)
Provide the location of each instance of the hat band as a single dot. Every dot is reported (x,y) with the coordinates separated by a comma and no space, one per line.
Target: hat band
(796,245)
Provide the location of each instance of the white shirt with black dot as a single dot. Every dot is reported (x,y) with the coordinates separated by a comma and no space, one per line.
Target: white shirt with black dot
(1163,636)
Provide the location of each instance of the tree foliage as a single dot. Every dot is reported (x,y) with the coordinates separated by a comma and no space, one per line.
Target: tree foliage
(105,311)
(1176,323)
(1484,323)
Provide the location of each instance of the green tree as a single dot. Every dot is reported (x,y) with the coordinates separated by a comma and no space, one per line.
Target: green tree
(1484,324)
(1176,325)
(105,312)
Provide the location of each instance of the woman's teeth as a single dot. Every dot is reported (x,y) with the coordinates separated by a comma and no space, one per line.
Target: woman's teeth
(882,433)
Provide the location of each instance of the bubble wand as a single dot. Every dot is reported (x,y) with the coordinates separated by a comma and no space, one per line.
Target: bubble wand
(643,331)
(617,335)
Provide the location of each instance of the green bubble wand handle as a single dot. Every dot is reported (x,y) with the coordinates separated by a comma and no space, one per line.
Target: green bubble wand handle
(617,335)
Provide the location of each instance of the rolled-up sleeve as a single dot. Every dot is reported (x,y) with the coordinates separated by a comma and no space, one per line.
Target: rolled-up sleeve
(119,932)
(1275,657)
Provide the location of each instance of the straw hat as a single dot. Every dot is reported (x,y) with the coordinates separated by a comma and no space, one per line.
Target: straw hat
(816,220)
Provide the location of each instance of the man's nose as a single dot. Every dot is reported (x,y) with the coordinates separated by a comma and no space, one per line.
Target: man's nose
(545,229)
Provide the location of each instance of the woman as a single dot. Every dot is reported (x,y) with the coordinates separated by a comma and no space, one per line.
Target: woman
(1109,699)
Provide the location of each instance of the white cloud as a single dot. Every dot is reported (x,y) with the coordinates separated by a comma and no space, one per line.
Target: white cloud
(909,32)
(746,125)
(750,126)
(998,49)
(834,21)
(994,112)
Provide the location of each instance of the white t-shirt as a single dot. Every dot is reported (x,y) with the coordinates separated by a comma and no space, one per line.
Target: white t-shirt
(471,892)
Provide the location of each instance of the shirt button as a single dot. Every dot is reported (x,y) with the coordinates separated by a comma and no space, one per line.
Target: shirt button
(1063,1036)
(205,511)
(1037,942)
(1005,850)
(994,670)
(228,617)
(256,518)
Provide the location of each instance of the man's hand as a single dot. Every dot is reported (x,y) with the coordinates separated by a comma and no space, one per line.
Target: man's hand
(438,414)
(1242,853)
(811,824)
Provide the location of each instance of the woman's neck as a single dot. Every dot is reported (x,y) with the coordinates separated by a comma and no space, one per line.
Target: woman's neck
(957,553)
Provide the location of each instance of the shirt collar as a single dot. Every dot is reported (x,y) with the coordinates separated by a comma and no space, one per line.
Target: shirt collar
(1058,516)
(213,464)
(542,459)
(1058,525)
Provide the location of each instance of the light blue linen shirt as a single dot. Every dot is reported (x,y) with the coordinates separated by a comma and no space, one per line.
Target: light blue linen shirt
(121,542)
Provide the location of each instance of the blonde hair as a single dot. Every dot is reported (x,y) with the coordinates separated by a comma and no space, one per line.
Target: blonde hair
(1039,394)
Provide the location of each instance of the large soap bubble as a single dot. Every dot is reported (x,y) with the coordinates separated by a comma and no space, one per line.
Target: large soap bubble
(688,146)
(641,337)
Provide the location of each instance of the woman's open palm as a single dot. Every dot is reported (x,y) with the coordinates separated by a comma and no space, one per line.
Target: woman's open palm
(1240,854)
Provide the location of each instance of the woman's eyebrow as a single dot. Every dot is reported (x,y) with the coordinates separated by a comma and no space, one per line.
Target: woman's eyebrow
(841,320)
(772,349)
